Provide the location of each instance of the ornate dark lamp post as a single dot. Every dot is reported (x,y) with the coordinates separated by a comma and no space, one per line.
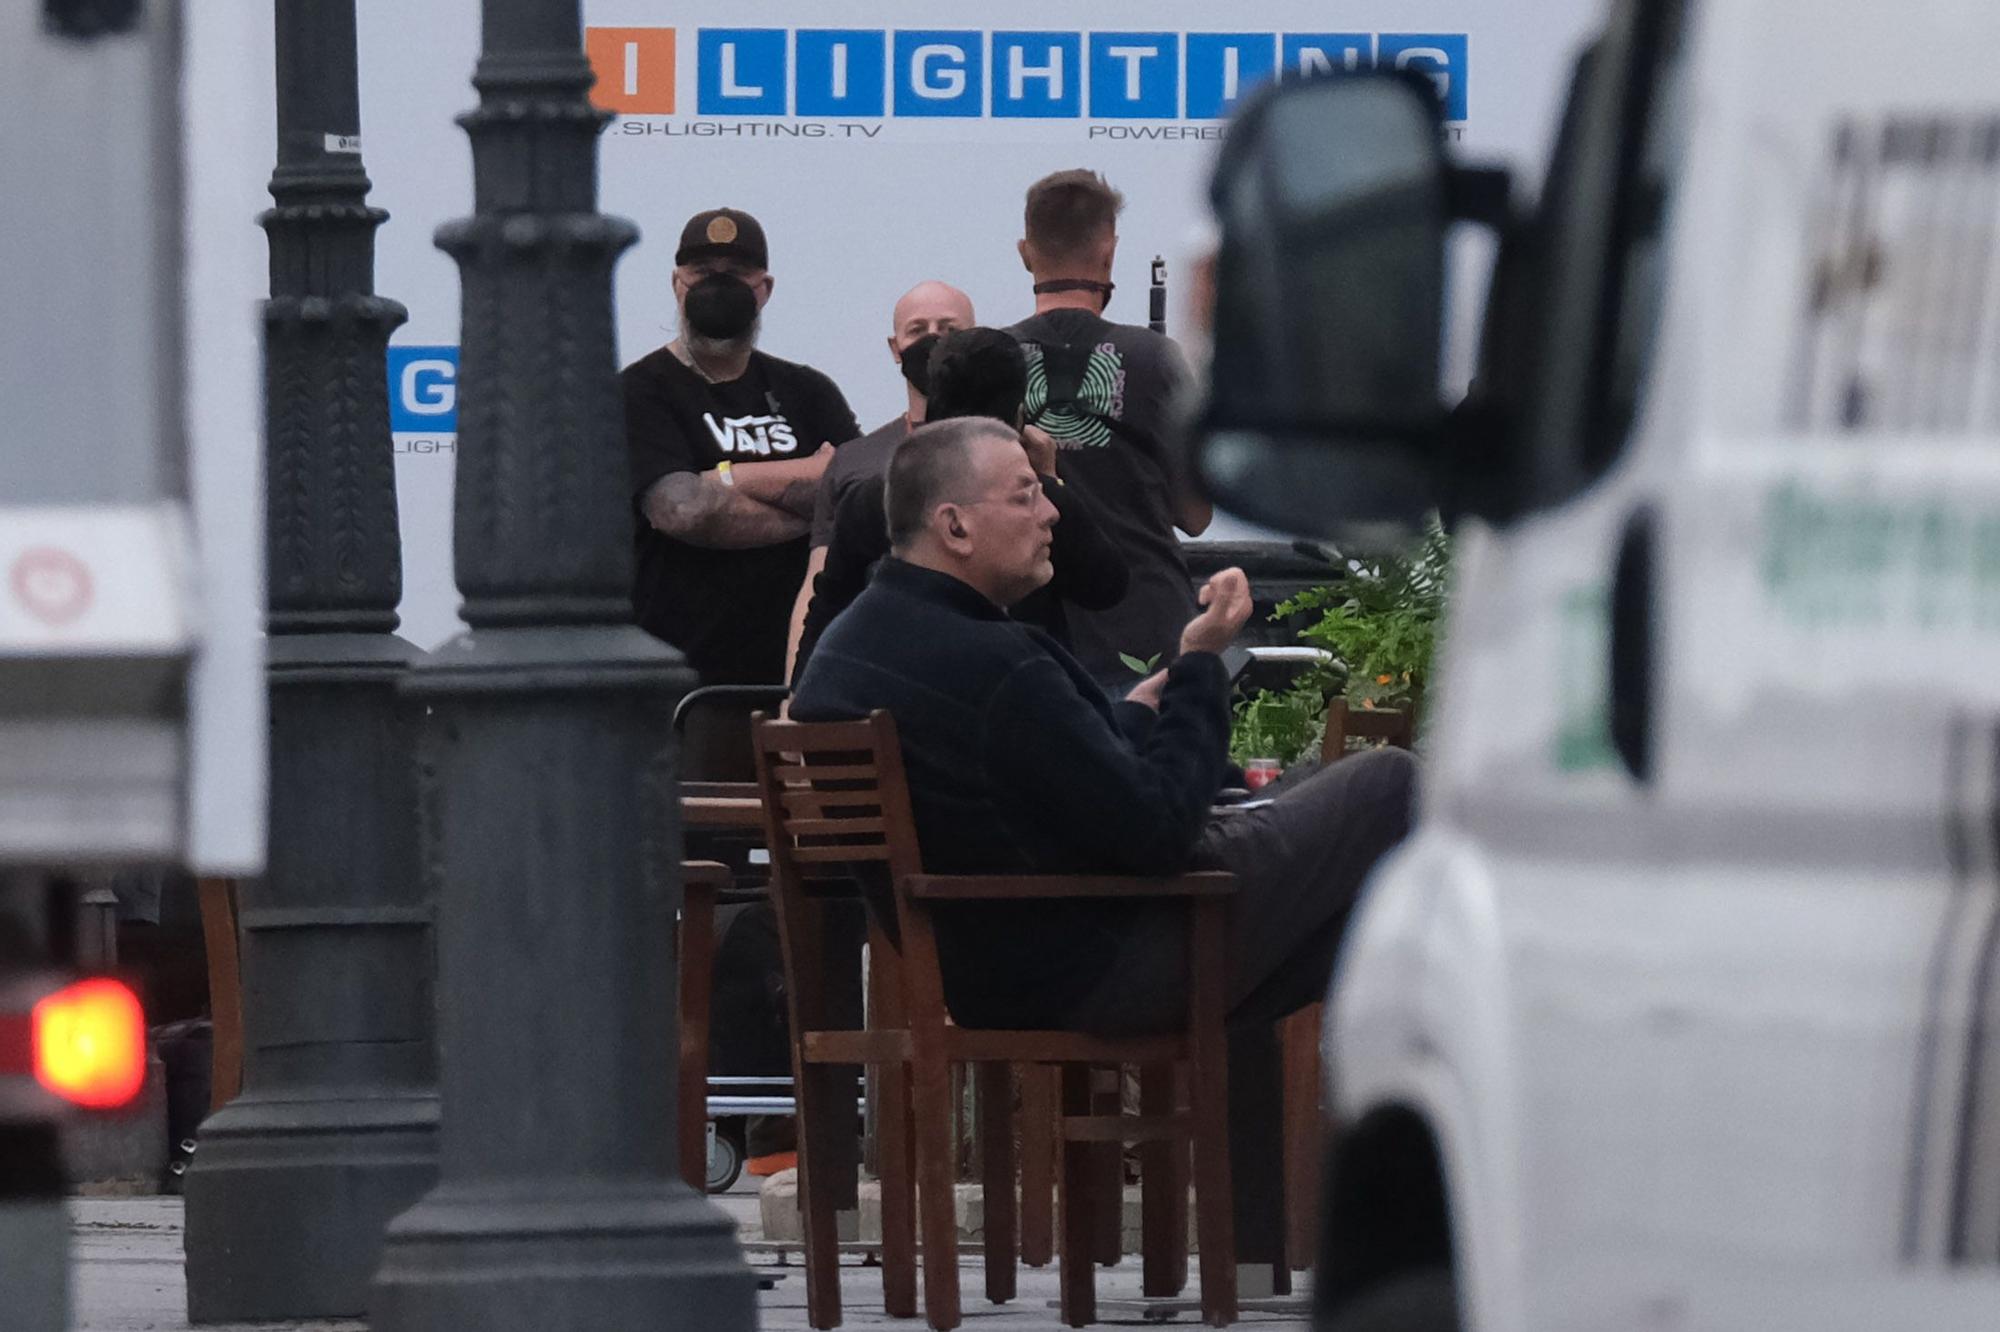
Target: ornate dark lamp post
(548,780)
(335,1131)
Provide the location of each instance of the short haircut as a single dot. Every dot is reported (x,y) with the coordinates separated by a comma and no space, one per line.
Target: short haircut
(933,466)
(1069,213)
(977,372)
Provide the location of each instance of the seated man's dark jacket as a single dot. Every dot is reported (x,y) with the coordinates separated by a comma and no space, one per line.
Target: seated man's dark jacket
(1018,764)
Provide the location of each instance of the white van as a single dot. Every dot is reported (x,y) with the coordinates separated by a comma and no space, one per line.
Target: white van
(1681,1007)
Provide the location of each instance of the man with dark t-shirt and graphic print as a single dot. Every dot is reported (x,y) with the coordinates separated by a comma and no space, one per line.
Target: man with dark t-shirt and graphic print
(1102,391)
(727,446)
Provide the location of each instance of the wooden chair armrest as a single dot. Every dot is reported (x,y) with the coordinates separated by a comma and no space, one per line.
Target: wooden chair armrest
(709,874)
(1023,887)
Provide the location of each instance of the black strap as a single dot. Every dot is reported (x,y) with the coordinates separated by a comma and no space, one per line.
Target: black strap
(1077,284)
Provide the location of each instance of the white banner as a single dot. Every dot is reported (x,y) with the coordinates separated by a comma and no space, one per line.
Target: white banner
(891,145)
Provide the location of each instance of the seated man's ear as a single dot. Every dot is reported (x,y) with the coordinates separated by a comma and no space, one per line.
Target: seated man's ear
(949,525)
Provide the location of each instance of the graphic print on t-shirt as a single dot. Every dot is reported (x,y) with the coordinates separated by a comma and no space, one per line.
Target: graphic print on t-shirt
(761,435)
(1079,420)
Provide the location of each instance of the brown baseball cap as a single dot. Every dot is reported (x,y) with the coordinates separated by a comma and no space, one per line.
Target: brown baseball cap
(723,233)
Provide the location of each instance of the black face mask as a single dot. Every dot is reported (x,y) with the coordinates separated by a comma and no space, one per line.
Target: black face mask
(917,363)
(721,307)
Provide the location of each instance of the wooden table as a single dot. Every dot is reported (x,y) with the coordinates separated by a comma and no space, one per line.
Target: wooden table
(721,806)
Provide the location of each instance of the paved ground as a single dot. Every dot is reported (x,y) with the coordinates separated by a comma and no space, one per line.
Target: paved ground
(128,1279)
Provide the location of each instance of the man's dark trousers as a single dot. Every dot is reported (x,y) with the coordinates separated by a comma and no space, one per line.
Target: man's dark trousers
(1300,863)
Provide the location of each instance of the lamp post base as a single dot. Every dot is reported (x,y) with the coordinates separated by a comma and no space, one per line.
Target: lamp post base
(287,1203)
(558,1255)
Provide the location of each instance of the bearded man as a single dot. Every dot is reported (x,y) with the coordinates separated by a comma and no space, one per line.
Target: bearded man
(727,446)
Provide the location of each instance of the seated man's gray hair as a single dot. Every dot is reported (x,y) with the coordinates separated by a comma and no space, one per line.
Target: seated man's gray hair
(932,467)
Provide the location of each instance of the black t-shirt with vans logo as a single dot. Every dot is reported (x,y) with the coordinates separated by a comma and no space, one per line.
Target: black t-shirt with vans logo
(728,610)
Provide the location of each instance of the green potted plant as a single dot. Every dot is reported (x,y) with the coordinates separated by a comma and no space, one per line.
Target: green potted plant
(1379,624)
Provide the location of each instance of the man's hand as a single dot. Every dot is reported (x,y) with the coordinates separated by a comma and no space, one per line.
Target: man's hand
(1041,450)
(1148,692)
(791,484)
(1226,602)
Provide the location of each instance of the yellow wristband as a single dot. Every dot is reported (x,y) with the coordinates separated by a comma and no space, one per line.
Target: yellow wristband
(722,471)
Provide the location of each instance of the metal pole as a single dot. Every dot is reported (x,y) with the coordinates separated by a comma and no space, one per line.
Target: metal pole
(547,773)
(335,1131)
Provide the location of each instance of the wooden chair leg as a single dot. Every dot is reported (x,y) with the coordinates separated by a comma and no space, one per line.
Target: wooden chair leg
(818,1095)
(1108,1210)
(1163,1180)
(1078,1272)
(1038,1163)
(931,1104)
(225,990)
(996,1127)
(697,989)
(895,1147)
(1209,1097)
(1305,1134)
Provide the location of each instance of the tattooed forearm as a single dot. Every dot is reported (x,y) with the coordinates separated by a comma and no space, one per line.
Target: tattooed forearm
(799,496)
(698,509)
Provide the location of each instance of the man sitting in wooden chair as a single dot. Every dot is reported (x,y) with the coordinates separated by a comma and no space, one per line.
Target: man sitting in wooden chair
(1019,764)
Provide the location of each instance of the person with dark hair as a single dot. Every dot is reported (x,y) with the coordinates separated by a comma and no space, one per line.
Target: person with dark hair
(726,445)
(922,316)
(1018,763)
(977,372)
(1104,392)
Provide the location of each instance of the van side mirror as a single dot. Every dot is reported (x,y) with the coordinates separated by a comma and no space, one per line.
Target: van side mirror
(1323,415)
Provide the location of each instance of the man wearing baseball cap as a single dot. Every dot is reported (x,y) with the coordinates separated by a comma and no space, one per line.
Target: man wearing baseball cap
(727,445)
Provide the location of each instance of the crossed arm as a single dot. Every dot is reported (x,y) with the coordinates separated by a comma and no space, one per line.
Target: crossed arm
(769,502)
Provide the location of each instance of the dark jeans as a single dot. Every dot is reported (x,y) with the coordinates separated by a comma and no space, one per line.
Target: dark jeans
(1299,862)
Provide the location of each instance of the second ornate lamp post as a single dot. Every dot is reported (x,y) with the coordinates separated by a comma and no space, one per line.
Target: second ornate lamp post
(335,1131)
(548,782)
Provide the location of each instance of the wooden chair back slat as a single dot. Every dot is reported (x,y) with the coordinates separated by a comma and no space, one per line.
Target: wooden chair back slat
(807,804)
(832,772)
(836,825)
(863,853)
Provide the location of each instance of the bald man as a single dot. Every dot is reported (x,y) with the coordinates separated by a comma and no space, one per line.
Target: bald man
(925,313)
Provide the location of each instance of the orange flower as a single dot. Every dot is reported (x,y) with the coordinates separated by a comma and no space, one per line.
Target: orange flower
(1383,679)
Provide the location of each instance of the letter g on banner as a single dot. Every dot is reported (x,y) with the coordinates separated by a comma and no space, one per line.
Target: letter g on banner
(940,73)
(423,390)
(1440,55)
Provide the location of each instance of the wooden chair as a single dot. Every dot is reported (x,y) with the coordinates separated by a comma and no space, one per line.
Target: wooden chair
(225,990)
(712,730)
(1299,1034)
(837,805)
(718,776)
(702,883)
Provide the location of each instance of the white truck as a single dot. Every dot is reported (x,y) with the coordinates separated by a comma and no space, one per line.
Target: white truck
(1680,1009)
(131,670)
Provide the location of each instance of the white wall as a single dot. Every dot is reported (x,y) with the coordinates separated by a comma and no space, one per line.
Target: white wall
(852,221)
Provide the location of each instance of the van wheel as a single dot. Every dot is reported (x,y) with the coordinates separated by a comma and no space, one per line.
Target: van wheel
(1425,1301)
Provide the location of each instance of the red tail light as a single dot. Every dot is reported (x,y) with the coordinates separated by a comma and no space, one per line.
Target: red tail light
(90,1043)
